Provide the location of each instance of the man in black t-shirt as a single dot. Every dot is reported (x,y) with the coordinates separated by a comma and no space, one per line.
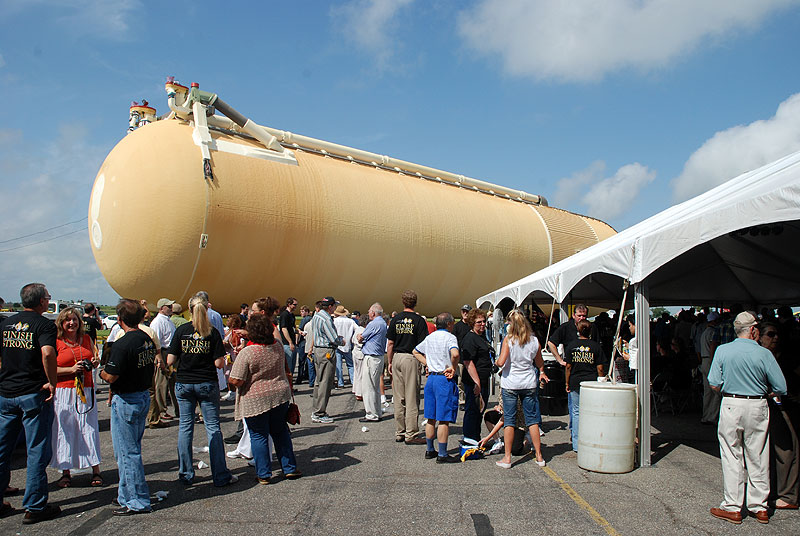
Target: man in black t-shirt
(91,321)
(28,375)
(584,362)
(462,328)
(286,323)
(406,330)
(477,371)
(129,370)
(568,332)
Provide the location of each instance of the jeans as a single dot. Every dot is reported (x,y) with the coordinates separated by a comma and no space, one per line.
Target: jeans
(207,395)
(271,423)
(472,414)
(302,361)
(291,356)
(312,370)
(128,418)
(32,413)
(574,400)
(348,359)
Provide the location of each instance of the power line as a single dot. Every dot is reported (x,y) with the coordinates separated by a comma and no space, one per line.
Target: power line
(40,232)
(43,241)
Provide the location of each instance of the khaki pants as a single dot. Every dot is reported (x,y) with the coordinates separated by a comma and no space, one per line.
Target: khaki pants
(326,374)
(371,378)
(743,434)
(406,395)
(158,396)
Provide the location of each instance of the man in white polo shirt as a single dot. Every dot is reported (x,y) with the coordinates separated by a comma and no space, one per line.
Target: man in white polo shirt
(164,329)
(439,352)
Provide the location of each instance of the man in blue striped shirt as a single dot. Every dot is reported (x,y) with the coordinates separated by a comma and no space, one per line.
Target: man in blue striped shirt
(326,340)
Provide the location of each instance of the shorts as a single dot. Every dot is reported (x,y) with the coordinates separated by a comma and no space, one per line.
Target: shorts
(530,406)
(441,398)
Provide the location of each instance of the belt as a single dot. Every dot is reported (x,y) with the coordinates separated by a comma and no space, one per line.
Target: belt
(436,373)
(749,397)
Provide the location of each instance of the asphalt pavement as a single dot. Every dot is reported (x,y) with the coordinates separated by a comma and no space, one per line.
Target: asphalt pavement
(362,482)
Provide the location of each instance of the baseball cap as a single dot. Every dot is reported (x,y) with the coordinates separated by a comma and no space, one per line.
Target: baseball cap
(164,301)
(713,316)
(745,320)
(328,301)
(466,307)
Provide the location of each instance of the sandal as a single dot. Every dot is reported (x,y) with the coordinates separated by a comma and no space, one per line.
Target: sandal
(64,482)
(97,481)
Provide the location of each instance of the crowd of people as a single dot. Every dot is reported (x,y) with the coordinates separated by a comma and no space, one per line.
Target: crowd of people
(193,361)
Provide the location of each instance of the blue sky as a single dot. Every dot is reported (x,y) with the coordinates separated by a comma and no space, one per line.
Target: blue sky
(613,109)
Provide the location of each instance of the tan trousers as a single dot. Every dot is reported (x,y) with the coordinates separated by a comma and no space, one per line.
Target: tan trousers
(326,374)
(371,378)
(743,434)
(406,395)
(158,396)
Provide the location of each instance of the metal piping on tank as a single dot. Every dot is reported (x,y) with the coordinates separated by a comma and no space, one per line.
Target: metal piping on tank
(275,140)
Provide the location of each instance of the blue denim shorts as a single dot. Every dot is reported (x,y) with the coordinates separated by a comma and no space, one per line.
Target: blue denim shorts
(530,406)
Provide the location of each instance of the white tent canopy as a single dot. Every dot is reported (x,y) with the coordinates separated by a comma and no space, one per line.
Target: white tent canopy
(734,243)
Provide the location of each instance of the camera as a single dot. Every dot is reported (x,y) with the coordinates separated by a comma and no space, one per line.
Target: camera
(86,364)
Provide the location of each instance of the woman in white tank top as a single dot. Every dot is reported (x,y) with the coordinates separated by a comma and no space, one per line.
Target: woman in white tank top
(521,366)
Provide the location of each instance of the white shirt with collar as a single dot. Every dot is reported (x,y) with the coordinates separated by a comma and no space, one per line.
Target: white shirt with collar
(163,328)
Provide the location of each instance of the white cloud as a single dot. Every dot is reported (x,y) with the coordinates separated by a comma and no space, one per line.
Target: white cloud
(739,149)
(599,196)
(110,19)
(370,25)
(47,184)
(582,40)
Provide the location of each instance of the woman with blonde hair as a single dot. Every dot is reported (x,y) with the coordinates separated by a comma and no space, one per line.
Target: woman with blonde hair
(197,351)
(521,367)
(76,432)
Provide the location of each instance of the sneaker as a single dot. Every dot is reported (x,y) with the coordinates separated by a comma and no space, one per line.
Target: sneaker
(448,459)
(251,462)
(50,511)
(324,419)
(234,479)
(127,512)
(235,454)
(385,405)
(431,454)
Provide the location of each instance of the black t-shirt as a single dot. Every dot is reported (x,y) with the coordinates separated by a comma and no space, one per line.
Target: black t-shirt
(21,368)
(196,355)
(460,330)
(91,326)
(407,330)
(476,349)
(568,332)
(286,320)
(584,355)
(132,359)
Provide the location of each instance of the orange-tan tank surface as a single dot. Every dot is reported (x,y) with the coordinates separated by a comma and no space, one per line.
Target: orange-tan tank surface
(305,224)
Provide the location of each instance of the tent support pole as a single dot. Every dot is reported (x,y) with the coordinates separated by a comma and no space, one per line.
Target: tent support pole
(642,310)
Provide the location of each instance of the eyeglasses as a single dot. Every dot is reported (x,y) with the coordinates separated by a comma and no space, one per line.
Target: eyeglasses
(770,333)
(480,321)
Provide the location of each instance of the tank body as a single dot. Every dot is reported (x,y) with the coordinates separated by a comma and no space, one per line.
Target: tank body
(307,227)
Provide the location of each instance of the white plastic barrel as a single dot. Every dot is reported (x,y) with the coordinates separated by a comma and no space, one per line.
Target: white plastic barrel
(607,427)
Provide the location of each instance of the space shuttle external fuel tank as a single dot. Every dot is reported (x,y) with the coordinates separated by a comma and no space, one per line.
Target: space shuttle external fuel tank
(196,200)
